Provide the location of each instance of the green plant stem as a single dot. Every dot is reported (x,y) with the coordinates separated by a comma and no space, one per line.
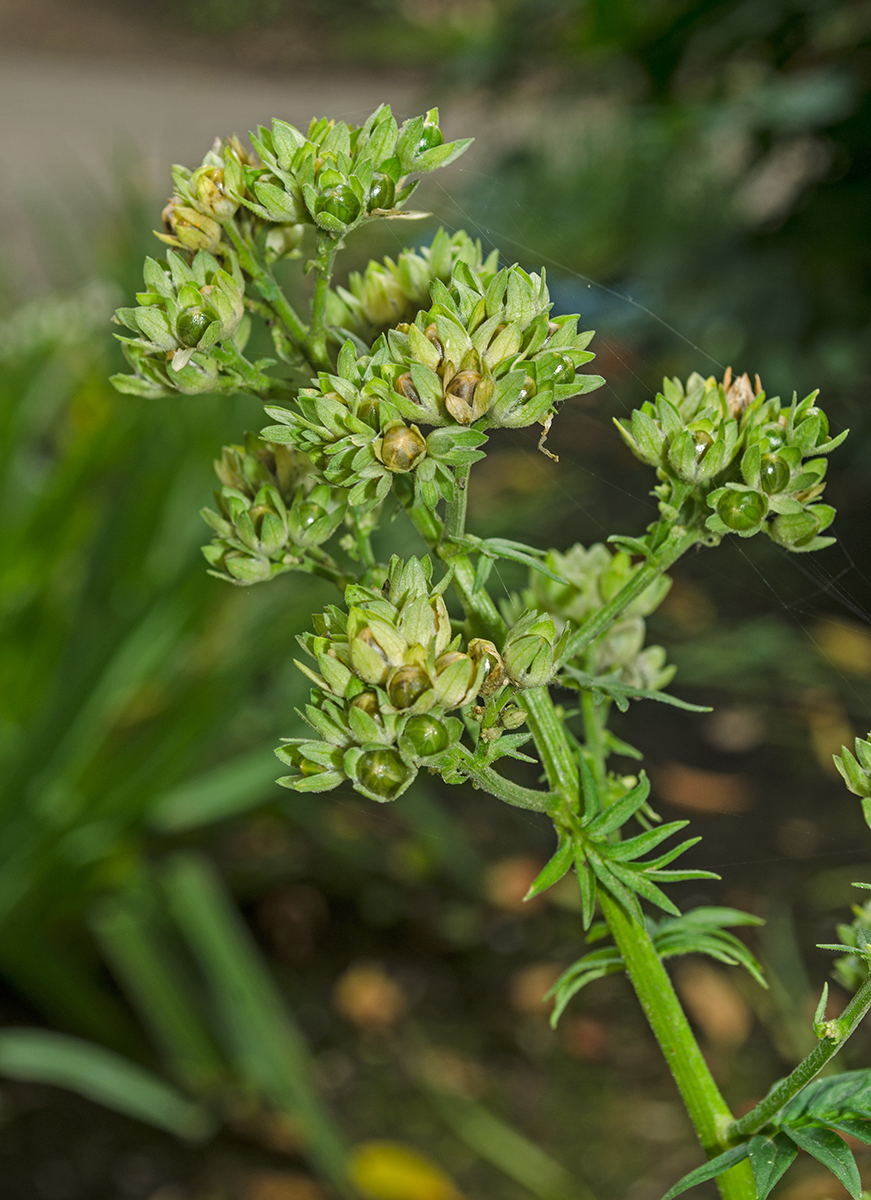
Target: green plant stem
(841,1029)
(325,259)
(455,512)
(675,546)
(268,288)
(497,785)
(594,723)
(555,750)
(707,1109)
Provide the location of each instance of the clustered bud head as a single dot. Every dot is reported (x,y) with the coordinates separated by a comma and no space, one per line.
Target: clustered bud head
(388,293)
(388,670)
(270,512)
(185,316)
(739,454)
(855,769)
(590,579)
(353,431)
(486,351)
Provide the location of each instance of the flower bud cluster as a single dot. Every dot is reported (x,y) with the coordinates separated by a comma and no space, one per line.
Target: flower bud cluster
(389,292)
(333,177)
(190,326)
(269,516)
(592,577)
(388,669)
(741,455)
(487,349)
(355,435)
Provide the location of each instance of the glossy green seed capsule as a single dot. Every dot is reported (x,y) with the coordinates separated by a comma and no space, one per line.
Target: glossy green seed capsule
(773,474)
(427,735)
(340,202)
(564,371)
(307,514)
(430,137)
(741,510)
(382,772)
(407,685)
(382,193)
(191,326)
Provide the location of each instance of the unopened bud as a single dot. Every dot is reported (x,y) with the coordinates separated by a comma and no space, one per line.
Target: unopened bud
(382,772)
(406,685)
(402,448)
(427,735)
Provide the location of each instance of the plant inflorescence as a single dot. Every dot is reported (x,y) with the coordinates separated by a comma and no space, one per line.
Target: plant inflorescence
(380,399)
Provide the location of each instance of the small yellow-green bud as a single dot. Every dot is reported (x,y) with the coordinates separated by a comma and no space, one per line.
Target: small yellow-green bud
(406,685)
(402,448)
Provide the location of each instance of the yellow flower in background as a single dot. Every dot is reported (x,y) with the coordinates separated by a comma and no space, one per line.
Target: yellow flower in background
(388,1171)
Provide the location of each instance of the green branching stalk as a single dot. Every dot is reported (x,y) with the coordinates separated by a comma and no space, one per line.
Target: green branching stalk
(838,1031)
(325,259)
(269,289)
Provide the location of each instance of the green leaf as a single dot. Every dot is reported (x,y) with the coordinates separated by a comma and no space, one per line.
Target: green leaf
(621,693)
(769,1159)
(555,869)
(612,818)
(258,1028)
(832,1097)
(832,1151)
(39,1056)
(587,888)
(709,1170)
(235,786)
(588,785)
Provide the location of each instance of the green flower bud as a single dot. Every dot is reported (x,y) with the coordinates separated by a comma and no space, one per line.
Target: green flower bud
(795,529)
(402,448)
(740,511)
(382,772)
(368,702)
(427,735)
(191,326)
(189,229)
(406,685)
(382,192)
(208,184)
(774,474)
(564,371)
(430,137)
(340,202)
(530,651)
(512,717)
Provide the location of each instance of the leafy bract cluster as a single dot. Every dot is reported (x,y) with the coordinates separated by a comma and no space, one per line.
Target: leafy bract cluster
(334,177)
(388,293)
(272,513)
(737,458)
(191,329)
(479,356)
(388,669)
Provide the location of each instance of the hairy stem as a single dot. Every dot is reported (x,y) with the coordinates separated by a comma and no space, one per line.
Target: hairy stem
(455,513)
(840,1030)
(554,748)
(325,259)
(705,1105)
(268,288)
(497,785)
(605,617)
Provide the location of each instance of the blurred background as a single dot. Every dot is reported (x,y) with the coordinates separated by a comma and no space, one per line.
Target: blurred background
(696,178)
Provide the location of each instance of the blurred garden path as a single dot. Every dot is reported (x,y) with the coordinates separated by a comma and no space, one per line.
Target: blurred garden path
(70,126)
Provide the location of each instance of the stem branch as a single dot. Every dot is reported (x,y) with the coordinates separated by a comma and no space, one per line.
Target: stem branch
(783,1092)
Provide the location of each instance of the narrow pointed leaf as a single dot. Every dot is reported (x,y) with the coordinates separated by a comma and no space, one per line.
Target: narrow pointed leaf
(832,1151)
(769,1159)
(709,1170)
(555,869)
(612,818)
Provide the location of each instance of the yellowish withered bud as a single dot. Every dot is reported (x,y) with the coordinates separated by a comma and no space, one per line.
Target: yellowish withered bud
(402,448)
(480,650)
(467,396)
